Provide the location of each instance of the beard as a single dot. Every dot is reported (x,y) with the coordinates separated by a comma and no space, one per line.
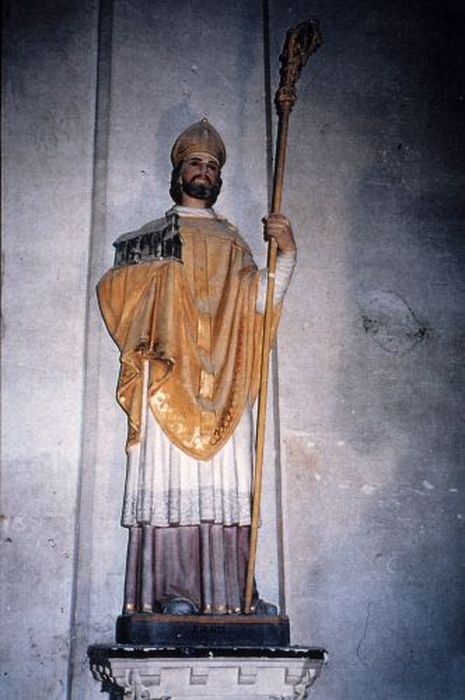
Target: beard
(202,190)
(177,187)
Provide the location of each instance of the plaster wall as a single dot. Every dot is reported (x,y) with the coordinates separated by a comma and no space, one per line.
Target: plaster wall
(369,348)
(372,439)
(47,155)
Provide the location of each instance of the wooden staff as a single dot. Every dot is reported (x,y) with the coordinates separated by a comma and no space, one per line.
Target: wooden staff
(301,42)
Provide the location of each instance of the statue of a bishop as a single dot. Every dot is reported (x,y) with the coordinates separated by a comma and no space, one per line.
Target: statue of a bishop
(184,302)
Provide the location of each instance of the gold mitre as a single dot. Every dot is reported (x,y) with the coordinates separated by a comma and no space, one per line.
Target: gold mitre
(200,137)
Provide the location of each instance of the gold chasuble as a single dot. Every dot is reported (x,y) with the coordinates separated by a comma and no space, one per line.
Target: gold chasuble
(196,323)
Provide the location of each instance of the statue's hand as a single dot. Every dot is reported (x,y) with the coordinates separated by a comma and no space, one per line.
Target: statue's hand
(277,226)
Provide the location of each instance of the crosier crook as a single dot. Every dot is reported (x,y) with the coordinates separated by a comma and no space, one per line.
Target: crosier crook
(301,42)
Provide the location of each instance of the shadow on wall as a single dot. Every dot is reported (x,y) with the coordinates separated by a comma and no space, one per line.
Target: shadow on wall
(399,375)
(382,582)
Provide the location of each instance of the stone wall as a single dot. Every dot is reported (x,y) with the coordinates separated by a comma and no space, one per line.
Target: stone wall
(369,358)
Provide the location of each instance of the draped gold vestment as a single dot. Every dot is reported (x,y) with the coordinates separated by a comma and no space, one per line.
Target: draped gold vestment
(196,323)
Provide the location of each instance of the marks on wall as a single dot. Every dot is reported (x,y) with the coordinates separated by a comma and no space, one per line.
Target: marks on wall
(389,321)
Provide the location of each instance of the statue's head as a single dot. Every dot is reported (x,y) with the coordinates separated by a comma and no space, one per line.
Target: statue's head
(197,156)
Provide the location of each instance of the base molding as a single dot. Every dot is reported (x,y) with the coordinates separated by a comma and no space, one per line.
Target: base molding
(206,673)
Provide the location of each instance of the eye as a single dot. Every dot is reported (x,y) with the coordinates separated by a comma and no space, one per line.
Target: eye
(194,162)
(213,167)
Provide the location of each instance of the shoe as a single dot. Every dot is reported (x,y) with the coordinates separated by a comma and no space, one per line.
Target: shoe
(179,606)
(262,608)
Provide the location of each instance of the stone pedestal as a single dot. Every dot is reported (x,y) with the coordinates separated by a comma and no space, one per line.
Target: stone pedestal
(204,673)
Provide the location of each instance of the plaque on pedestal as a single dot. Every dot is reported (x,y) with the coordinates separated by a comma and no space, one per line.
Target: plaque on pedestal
(207,630)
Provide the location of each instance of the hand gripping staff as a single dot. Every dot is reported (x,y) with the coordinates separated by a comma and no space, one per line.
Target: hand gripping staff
(301,41)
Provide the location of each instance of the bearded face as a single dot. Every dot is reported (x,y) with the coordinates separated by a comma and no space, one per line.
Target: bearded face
(199,177)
